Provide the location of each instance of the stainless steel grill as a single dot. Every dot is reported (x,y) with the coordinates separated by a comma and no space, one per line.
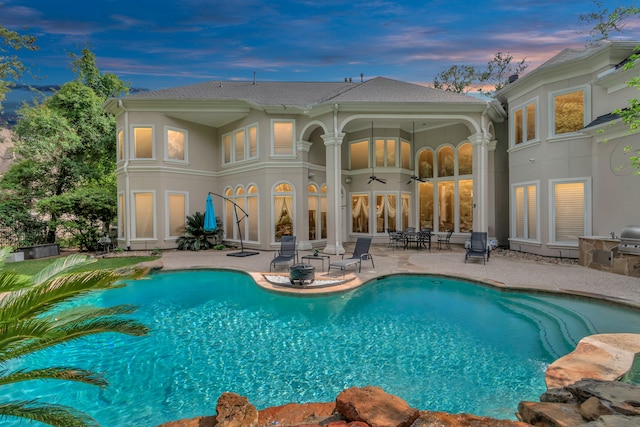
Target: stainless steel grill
(630,240)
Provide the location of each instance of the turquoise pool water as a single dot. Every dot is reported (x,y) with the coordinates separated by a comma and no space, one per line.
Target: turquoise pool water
(440,344)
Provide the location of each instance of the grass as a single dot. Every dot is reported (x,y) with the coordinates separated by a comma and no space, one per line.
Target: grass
(33,266)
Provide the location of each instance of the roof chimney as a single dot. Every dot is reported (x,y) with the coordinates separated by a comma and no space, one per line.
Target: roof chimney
(513,78)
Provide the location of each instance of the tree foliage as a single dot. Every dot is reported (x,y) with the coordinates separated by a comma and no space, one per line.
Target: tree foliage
(11,68)
(494,76)
(33,317)
(605,21)
(63,144)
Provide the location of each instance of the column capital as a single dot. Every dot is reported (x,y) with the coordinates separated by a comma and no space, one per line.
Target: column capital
(333,139)
(492,144)
(478,139)
(303,145)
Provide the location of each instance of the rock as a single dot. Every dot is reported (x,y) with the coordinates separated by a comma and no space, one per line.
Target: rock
(298,414)
(234,410)
(375,407)
(550,414)
(623,398)
(613,421)
(558,395)
(192,422)
(443,419)
(592,409)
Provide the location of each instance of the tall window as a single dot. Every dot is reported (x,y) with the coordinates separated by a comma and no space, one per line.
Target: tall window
(359,154)
(177,213)
(524,123)
(143,142)
(120,149)
(569,112)
(121,215)
(465,204)
(386,212)
(425,164)
(425,204)
(525,218)
(283,211)
(406,210)
(253,221)
(446,206)
(465,159)
(445,161)
(282,138)
(246,200)
(229,215)
(569,210)
(176,144)
(241,144)
(360,213)
(317,212)
(405,154)
(144,217)
(385,152)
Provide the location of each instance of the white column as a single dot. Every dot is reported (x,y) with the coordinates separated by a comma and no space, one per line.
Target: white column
(333,144)
(480,182)
(302,205)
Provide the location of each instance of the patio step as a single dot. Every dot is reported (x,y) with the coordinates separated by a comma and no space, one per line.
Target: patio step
(559,327)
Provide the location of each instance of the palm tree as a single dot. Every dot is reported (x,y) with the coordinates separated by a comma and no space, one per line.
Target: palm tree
(28,324)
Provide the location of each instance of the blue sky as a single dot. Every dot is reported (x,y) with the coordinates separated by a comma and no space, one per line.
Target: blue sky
(160,43)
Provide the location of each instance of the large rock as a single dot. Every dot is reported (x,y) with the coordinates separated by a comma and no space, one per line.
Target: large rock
(192,422)
(444,419)
(298,414)
(234,410)
(375,407)
(622,398)
(548,414)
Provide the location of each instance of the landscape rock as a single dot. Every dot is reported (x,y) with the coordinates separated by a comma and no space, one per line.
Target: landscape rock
(234,410)
(192,422)
(444,419)
(299,414)
(623,398)
(547,414)
(613,421)
(375,407)
(593,408)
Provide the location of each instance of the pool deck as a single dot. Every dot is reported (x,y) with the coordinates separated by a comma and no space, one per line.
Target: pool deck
(500,271)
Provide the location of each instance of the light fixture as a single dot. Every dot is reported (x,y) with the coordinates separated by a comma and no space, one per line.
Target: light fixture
(347,180)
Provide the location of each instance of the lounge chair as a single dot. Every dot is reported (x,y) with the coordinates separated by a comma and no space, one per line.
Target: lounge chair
(445,239)
(478,247)
(360,252)
(287,252)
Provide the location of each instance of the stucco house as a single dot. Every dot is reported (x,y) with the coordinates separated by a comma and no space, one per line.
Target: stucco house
(329,162)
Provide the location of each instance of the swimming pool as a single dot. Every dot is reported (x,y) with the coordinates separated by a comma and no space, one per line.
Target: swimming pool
(438,343)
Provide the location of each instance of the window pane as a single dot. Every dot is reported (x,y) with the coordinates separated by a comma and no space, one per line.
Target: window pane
(283,216)
(531,121)
(360,213)
(283,138)
(426,164)
(323,217)
(518,125)
(144,215)
(445,161)
(425,190)
(520,209)
(143,143)
(569,112)
(120,145)
(445,205)
(239,145)
(380,152)
(229,219)
(465,191)
(406,155)
(253,219)
(406,210)
(313,217)
(465,159)
(391,212)
(253,141)
(380,208)
(569,211)
(176,214)
(226,142)
(532,212)
(175,144)
(359,155)
(391,152)
(121,216)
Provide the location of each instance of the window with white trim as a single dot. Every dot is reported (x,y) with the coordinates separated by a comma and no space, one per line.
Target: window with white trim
(240,144)
(121,215)
(283,214)
(175,144)
(525,211)
(120,145)
(360,213)
(405,154)
(570,204)
(385,152)
(176,203)
(569,112)
(317,212)
(359,154)
(386,212)
(143,142)
(524,124)
(282,138)
(144,217)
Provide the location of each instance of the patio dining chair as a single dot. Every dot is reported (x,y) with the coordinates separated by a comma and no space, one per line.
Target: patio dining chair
(287,253)
(395,238)
(360,253)
(445,239)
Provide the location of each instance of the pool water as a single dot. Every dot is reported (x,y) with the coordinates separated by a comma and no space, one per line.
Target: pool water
(440,344)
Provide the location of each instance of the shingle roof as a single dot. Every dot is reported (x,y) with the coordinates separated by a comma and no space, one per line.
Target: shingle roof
(307,94)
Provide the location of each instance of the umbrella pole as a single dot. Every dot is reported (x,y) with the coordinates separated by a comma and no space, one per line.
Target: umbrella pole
(242,252)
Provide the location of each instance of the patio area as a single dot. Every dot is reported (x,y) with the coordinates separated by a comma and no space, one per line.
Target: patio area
(501,270)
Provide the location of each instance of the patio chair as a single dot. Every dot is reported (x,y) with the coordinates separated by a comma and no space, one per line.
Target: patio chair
(360,252)
(424,238)
(478,247)
(445,239)
(395,238)
(287,252)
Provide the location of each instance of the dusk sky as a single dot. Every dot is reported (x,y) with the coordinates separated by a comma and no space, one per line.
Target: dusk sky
(160,43)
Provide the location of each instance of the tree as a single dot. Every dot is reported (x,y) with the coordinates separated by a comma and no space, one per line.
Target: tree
(34,317)
(631,114)
(605,21)
(64,143)
(10,67)
(465,78)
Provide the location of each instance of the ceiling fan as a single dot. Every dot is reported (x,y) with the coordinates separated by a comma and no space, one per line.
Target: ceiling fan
(414,177)
(373,176)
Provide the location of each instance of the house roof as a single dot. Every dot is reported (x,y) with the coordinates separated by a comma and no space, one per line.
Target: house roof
(308,94)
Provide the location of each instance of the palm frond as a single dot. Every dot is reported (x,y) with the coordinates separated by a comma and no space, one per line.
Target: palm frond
(59,266)
(11,281)
(84,313)
(54,373)
(4,253)
(54,415)
(21,331)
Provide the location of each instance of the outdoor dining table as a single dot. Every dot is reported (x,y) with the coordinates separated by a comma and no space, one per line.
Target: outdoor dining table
(419,238)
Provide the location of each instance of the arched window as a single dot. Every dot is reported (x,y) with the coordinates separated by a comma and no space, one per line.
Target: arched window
(229,217)
(283,214)
(253,230)
(465,159)
(425,164)
(445,161)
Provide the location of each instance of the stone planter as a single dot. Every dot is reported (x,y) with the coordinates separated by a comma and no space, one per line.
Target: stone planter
(15,257)
(40,251)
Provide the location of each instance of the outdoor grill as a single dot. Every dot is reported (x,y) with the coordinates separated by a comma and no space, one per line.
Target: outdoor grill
(302,274)
(630,240)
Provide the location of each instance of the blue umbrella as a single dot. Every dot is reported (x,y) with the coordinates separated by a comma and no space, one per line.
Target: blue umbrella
(209,216)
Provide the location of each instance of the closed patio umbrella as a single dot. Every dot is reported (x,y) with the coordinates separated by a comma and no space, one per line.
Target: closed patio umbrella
(209,216)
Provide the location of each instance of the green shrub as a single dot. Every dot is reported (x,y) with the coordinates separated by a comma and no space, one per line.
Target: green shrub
(195,237)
